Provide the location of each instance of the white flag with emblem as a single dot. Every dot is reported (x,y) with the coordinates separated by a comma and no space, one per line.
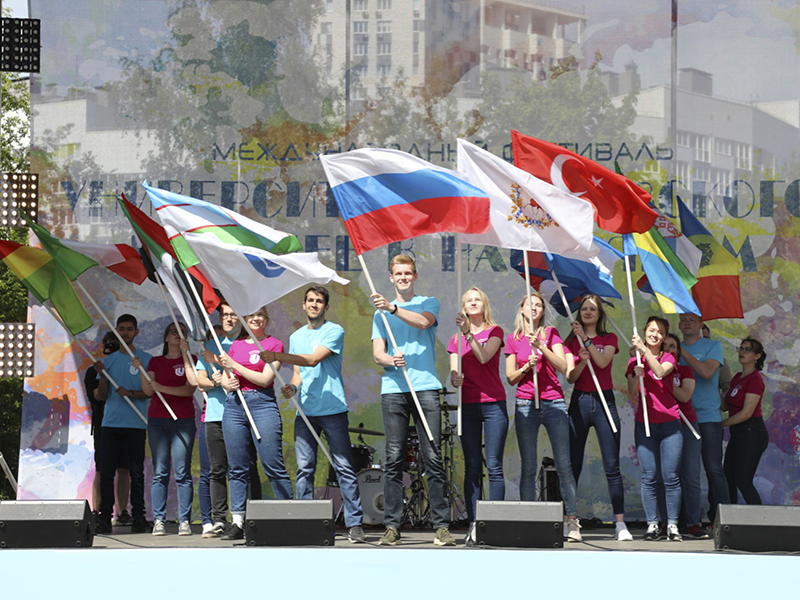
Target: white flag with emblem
(527,213)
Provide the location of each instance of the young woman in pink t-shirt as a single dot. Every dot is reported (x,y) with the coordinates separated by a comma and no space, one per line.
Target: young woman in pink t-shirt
(483,399)
(749,436)
(535,346)
(587,341)
(662,449)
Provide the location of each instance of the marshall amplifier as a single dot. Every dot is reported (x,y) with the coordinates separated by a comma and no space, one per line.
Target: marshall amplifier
(46,524)
(520,524)
(289,523)
(757,528)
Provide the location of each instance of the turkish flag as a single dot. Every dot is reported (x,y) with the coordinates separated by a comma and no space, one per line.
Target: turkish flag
(620,205)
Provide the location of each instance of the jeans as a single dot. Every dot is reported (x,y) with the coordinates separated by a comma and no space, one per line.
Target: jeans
(167,436)
(748,442)
(492,417)
(690,475)
(203,483)
(305,447)
(397,411)
(661,451)
(237,432)
(553,415)
(115,441)
(711,447)
(586,411)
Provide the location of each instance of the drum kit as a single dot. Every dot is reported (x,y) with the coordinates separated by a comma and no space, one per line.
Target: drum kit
(416,504)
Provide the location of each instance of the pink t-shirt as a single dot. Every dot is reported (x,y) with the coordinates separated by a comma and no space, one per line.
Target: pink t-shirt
(549,386)
(740,387)
(603,343)
(170,372)
(661,404)
(680,373)
(247,355)
(481,381)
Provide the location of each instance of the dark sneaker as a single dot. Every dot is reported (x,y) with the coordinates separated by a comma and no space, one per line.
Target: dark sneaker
(662,532)
(103,525)
(217,531)
(356,535)
(141,525)
(234,533)
(697,532)
(673,535)
(124,518)
(443,537)
(391,537)
(651,535)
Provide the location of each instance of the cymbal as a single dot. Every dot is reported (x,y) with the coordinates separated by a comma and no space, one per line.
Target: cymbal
(362,431)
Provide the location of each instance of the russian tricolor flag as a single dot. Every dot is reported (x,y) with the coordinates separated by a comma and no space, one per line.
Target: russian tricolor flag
(387,196)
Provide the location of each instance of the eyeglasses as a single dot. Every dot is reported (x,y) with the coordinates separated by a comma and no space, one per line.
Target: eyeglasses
(228,315)
(173,331)
(745,349)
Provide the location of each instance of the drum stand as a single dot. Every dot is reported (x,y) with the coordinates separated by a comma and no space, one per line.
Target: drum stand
(454,498)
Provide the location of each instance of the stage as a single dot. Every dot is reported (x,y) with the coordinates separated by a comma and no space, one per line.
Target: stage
(125,565)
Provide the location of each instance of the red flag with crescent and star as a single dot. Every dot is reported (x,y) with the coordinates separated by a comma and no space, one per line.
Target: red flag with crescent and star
(620,205)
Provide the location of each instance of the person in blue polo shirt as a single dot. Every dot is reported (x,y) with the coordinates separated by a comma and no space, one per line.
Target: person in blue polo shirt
(123,429)
(315,350)
(704,356)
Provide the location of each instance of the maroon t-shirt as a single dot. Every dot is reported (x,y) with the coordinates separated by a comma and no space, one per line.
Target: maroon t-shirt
(170,372)
(680,373)
(740,387)
(604,343)
(662,407)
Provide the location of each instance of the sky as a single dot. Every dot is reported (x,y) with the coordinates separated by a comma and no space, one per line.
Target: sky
(19,8)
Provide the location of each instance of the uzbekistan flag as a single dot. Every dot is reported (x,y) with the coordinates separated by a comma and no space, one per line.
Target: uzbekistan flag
(717,290)
(38,272)
(387,196)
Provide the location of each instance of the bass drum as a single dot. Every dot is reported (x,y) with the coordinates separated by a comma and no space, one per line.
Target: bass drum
(370,486)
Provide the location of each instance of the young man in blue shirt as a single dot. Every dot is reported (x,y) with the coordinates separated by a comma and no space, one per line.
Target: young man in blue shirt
(315,350)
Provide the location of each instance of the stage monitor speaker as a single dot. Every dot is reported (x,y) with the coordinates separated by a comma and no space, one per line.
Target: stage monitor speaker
(520,524)
(46,524)
(289,523)
(757,528)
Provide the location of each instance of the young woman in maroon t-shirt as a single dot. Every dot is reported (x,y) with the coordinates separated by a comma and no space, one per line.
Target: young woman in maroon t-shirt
(749,437)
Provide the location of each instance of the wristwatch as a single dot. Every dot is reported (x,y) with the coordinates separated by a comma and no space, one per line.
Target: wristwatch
(587,343)
(391,312)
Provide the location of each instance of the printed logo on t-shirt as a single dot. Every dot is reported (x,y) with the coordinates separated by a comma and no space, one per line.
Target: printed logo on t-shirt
(180,370)
(735,391)
(254,358)
(133,370)
(676,380)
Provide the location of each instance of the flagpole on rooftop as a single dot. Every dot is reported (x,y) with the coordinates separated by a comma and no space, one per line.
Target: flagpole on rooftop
(458,341)
(397,350)
(638,356)
(530,316)
(127,348)
(93,359)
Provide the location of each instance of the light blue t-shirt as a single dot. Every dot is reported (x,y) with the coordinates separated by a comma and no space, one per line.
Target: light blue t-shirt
(117,412)
(216,396)
(705,398)
(322,389)
(418,346)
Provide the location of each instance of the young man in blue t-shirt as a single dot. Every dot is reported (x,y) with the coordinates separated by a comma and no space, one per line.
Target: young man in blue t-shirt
(704,356)
(122,428)
(413,321)
(315,350)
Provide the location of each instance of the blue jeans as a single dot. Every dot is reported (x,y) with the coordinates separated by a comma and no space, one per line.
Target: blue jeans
(397,411)
(305,448)
(168,436)
(204,483)
(237,432)
(690,475)
(492,417)
(711,446)
(586,411)
(553,415)
(660,452)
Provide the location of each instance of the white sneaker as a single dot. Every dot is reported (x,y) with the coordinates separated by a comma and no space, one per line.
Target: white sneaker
(471,538)
(207,527)
(623,535)
(184,528)
(574,530)
(159,528)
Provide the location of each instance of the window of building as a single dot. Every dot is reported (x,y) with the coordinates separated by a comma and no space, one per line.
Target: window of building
(360,26)
(415,43)
(329,5)
(419,25)
(358,93)
(384,48)
(384,27)
(95,213)
(360,5)
(512,21)
(360,70)
(683,139)
(325,28)
(741,155)
(701,147)
(384,4)
(722,146)
(360,49)
(384,70)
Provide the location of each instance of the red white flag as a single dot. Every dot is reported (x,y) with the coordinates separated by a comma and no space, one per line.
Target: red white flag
(620,205)
(122,259)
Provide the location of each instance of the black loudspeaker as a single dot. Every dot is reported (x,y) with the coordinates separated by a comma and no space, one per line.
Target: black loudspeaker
(46,524)
(757,528)
(520,524)
(289,523)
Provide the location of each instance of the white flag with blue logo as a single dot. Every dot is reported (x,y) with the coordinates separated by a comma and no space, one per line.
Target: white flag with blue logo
(250,278)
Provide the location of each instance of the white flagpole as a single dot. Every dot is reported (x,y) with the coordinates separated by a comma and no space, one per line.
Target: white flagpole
(93,359)
(589,362)
(127,348)
(162,287)
(396,351)
(219,348)
(8,472)
(282,383)
(530,316)
(638,356)
(458,341)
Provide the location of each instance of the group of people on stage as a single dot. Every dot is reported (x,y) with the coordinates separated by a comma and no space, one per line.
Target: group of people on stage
(678,379)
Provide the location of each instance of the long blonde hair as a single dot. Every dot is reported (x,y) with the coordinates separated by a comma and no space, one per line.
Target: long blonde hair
(488,321)
(519,319)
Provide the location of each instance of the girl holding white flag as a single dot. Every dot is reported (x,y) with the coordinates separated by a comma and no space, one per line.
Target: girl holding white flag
(483,399)
(534,346)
